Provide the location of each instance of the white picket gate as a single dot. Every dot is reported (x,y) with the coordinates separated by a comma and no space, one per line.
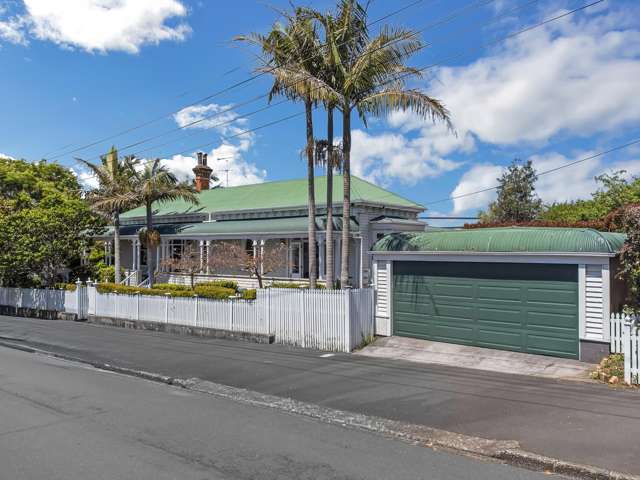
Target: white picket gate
(333,320)
(625,339)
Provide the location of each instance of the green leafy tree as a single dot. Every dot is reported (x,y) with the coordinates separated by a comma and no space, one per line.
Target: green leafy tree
(630,254)
(110,199)
(614,191)
(155,184)
(517,200)
(45,225)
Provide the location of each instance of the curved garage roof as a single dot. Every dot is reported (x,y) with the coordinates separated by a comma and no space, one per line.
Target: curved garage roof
(505,240)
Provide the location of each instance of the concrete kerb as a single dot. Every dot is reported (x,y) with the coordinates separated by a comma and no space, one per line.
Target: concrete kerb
(506,451)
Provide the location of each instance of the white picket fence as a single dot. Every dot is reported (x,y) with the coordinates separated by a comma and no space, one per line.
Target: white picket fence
(625,339)
(334,320)
(48,300)
(331,320)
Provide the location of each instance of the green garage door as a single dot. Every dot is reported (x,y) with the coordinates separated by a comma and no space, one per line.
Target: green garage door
(523,307)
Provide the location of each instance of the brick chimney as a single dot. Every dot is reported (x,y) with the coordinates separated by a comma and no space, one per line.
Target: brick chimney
(202,172)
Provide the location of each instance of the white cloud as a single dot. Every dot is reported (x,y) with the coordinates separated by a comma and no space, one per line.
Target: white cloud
(241,172)
(86,179)
(12,30)
(229,154)
(575,76)
(220,118)
(99,25)
(572,183)
(8,157)
(392,156)
(476,178)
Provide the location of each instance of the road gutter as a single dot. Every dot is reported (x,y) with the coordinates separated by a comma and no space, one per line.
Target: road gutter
(505,451)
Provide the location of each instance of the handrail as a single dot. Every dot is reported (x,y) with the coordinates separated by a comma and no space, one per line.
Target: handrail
(127,278)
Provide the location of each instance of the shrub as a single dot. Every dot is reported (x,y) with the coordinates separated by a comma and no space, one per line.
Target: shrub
(214,291)
(70,287)
(249,294)
(106,273)
(611,367)
(171,286)
(220,283)
(319,286)
(595,224)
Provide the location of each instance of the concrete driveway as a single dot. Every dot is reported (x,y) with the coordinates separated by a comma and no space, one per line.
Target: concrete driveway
(425,351)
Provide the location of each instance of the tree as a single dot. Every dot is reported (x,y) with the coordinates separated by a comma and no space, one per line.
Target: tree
(44,223)
(329,157)
(517,200)
(327,154)
(630,254)
(265,259)
(291,55)
(188,262)
(155,184)
(370,77)
(111,198)
(614,191)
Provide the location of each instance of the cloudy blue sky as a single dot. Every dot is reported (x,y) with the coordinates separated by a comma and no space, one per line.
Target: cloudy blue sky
(92,73)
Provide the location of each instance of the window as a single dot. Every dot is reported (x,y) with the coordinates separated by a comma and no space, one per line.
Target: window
(176,247)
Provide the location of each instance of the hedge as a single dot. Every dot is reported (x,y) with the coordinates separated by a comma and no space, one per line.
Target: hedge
(319,286)
(70,287)
(249,294)
(171,286)
(220,283)
(219,293)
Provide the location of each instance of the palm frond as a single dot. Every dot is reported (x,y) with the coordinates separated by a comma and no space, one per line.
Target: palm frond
(390,100)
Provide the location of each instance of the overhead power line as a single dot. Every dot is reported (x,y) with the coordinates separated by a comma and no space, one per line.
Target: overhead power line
(208,97)
(545,172)
(491,43)
(448,18)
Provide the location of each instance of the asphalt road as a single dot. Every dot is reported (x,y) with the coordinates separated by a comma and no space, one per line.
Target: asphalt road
(62,420)
(583,423)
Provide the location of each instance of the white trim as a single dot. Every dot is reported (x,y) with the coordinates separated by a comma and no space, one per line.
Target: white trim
(582,294)
(390,299)
(505,257)
(606,302)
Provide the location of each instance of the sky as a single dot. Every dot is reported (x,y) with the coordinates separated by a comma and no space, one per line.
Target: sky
(81,75)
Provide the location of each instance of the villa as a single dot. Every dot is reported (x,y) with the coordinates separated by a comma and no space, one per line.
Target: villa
(266,212)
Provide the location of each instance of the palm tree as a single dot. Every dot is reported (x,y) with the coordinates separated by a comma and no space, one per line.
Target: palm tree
(370,77)
(291,55)
(110,198)
(156,184)
(330,158)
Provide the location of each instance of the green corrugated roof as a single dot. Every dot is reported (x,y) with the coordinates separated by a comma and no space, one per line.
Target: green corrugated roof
(238,227)
(513,239)
(282,194)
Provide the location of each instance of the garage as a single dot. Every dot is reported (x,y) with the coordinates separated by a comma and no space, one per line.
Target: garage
(511,306)
(536,290)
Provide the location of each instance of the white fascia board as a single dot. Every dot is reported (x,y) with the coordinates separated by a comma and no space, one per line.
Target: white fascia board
(505,257)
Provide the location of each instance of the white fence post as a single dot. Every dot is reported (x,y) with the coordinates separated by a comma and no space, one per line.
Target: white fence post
(137,306)
(166,307)
(626,342)
(347,317)
(304,316)
(230,315)
(268,311)
(195,311)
